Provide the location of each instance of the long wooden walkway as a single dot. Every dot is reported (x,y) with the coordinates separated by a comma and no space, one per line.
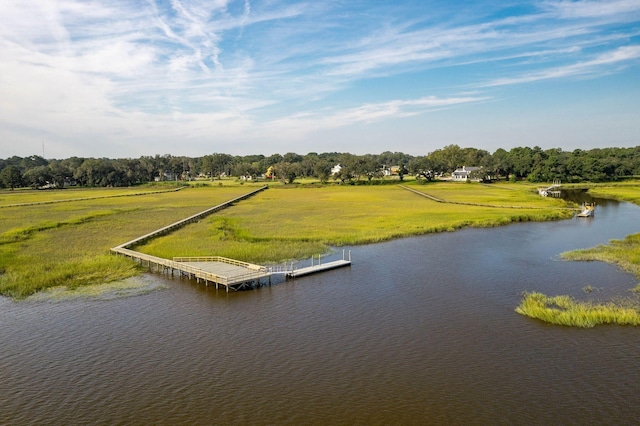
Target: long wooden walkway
(216,270)
(219,271)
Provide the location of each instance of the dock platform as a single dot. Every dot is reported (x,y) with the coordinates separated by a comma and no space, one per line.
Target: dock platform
(318,268)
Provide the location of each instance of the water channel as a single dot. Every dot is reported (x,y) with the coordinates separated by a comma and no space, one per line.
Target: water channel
(417,331)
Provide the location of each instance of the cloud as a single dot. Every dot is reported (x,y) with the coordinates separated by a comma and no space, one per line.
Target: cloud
(304,123)
(237,69)
(591,68)
(591,8)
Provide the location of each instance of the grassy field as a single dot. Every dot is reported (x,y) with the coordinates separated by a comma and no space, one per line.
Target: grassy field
(67,244)
(24,196)
(626,191)
(297,222)
(625,253)
(57,243)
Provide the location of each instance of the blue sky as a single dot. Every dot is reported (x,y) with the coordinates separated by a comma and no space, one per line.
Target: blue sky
(105,78)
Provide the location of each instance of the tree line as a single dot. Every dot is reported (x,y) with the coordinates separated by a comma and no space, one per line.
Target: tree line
(521,163)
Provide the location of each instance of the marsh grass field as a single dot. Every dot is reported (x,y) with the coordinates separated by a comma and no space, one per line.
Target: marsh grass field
(66,243)
(297,222)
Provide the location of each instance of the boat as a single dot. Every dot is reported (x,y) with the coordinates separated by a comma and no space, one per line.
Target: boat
(588,209)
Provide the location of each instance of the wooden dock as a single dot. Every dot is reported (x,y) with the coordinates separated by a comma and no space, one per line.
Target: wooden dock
(216,270)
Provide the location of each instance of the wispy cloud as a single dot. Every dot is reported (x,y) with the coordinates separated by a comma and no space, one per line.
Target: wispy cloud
(301,124)
(592,68)
(592,8)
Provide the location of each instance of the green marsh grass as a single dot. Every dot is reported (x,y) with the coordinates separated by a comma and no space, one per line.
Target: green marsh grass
(297,222)
(626,191)
(44,246)
(9,198)
(67,244)
(564,310)
(504,194)
(625,253)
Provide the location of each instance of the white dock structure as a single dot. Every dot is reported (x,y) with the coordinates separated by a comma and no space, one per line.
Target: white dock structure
(216,270)
(553,190)
(320,267)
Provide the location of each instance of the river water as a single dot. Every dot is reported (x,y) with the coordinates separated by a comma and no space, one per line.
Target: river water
(417,331)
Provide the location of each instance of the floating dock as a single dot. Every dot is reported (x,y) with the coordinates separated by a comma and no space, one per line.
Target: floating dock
(320,267)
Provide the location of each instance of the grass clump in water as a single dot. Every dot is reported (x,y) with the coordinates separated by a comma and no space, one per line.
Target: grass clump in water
(564,310)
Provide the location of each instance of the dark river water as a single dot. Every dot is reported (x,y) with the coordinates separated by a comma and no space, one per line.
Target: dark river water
(418,331)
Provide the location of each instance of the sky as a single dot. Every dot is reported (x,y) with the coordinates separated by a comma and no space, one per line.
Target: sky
(130,78)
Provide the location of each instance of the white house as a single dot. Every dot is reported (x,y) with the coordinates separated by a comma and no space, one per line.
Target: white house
(390,171)
(464,173)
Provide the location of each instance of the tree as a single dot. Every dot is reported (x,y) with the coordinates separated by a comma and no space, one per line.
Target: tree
(287,172)
(449,158)
(369,166)
(500,163)
(216,164)
(37,177)
(402,170)
(11,177)
(422,167)
(322,170)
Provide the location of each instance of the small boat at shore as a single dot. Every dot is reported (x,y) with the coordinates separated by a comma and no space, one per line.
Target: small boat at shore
(588,209)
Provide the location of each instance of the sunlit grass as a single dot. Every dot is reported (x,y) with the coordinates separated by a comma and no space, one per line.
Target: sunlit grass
(504,194)
(293,222)
(564,310)
(627,191)
(624,253)
(67,244)
(52,196)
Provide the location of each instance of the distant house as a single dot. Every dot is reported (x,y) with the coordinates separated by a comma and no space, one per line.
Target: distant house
(335,170)
(166,175)
(464,173)
(390,171)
